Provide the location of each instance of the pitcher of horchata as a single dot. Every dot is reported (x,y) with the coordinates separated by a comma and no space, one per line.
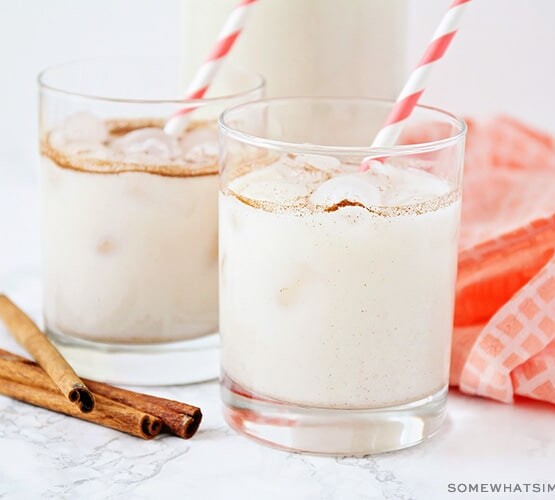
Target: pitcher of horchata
(308,47)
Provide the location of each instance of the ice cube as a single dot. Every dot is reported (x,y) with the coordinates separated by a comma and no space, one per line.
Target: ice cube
(401,185)
(200,143)
(354,188)
(83,129)
(90,150)
(328,164)
(275,183)
(148,141)
(201,151)
(203,139)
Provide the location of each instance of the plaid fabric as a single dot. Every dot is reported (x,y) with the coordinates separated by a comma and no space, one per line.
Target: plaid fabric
(504,338)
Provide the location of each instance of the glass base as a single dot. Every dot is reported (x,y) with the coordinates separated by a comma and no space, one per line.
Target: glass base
(171,363)
(331,431)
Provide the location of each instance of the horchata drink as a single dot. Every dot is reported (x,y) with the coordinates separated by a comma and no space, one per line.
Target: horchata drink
(336,285)
(129,221)
(130,224)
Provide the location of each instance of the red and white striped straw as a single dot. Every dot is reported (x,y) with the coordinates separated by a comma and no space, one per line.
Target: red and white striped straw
(416,84)
(202,80)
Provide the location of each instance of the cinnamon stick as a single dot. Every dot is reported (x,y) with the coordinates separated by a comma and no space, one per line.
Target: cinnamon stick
(106,412)
(26,332)
(178,418)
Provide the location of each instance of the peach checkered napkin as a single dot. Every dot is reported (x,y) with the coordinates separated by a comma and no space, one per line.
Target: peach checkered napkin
(504,339)
(514,352)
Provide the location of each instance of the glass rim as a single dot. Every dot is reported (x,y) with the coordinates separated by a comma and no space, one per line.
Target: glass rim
(298,147)
(45,72)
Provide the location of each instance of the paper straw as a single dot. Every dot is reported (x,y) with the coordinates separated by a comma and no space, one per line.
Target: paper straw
(205,75)
(416,84)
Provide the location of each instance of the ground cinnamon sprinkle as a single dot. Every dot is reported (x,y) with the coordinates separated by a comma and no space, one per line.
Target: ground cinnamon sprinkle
(344,203)
(91,162)
(304,206)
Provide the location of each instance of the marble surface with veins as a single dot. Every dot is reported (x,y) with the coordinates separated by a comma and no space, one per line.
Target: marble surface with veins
(45,455)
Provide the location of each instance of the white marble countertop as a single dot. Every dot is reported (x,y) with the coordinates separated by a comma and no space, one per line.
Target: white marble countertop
(46,455)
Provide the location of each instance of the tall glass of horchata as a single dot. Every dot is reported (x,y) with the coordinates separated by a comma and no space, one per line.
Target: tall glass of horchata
(129,218)
(337,284)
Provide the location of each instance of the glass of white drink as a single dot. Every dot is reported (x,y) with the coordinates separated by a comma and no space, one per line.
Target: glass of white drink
(336,285)
(129,218)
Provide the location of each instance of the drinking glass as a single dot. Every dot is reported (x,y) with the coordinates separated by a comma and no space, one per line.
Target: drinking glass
(129,218)
(336,284)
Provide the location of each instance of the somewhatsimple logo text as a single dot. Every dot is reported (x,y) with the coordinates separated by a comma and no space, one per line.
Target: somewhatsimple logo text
(501,487)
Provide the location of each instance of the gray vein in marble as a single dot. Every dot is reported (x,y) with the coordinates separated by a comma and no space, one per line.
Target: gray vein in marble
(391,487)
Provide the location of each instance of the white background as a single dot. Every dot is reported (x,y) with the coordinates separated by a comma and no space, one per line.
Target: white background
(502,60)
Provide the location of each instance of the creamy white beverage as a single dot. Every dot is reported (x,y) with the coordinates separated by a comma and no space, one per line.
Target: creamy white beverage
(307,47)
(336,286)
(129,230)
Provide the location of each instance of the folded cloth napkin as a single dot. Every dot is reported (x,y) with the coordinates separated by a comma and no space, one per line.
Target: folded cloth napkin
(504,337)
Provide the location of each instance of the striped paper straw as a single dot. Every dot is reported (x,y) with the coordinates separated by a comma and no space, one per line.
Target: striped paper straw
(416,84)
(205,75)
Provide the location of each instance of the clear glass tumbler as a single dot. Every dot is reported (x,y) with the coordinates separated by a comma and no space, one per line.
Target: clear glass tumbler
(129,218)
(337,284)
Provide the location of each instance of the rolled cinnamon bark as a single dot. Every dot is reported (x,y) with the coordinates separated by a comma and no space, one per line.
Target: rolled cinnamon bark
(106,412)
(23,371)
(24,330)
(178,418)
